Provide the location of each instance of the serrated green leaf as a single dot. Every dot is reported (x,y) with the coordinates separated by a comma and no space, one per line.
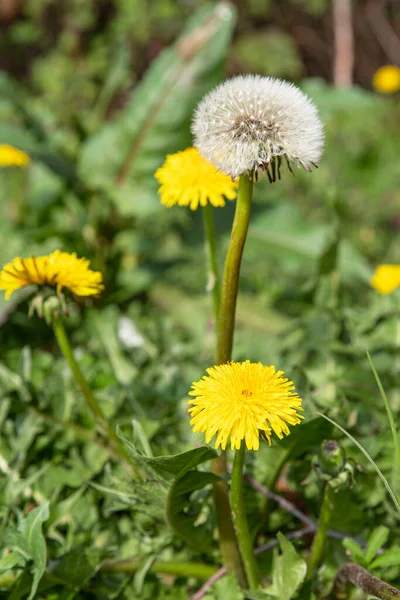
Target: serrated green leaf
(186,482)
(31,529)
(61,510)
(194,480)
(376,540)
(9,561)
(14,539)
(226,588)
(75,568)
(391,558)
(29,542)
(179,464)
(301,439)
(125,497)
(288,573)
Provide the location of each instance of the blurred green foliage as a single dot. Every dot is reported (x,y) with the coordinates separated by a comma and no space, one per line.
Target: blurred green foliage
(109,94)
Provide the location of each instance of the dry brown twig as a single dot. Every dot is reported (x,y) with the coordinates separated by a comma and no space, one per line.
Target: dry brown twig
(350,573)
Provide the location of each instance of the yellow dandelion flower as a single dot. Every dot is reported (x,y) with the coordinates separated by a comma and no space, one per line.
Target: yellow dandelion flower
(241,400)
(387,79)
(188,179)
(59,269)
(12,157)
(386,278)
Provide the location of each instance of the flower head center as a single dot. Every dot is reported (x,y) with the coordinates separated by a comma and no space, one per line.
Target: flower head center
(252,128)
(247,393)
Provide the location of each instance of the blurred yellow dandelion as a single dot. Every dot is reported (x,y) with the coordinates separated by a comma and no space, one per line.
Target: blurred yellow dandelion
(386,278)
(188,179)
(58,269)
(387,79)
(241,400)
(12,157)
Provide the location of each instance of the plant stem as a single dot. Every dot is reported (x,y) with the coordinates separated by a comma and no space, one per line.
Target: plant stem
(104,427)
(230,279)
(213,283)
(226,532)
(317,548)
(240,520)
(225,330)
(356,575)
(184,569)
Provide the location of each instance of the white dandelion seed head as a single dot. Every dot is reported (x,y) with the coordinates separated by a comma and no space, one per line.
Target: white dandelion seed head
(247,121)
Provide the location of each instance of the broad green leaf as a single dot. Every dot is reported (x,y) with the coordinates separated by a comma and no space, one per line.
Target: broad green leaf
(357,553)
(14,539)
(376,540)
(305,436)
(391,558)
(9,381)
(75,568)
(226,588)
(9,561)
(141,573)
(123,156)
(29,542)
(24,585)
(288,573)
(194,480)
(144,498)
(32,531)
(182,521)
(62,510)
(174,464)
(179,464)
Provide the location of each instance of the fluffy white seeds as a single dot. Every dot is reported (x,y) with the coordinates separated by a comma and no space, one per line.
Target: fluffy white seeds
(244,123)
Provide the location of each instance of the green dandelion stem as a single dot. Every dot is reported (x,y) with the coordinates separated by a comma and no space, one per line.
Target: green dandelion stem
(240,520)
(226,532)
(318,545)
(225,331)
(104,427)
(213,283)
(230,279)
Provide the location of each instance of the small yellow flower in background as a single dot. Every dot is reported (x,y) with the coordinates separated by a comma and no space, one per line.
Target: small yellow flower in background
(387,79)
(188,179)
(58,269)
(386,278)
(12,157)
(240,400)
